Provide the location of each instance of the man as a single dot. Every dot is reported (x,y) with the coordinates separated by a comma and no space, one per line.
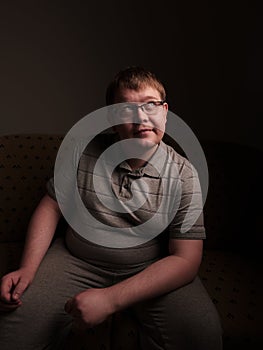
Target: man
(155,278)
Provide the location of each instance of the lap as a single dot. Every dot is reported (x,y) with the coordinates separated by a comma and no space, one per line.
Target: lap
(183,319)
(41,317)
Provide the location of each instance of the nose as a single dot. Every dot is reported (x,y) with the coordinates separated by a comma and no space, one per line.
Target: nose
(141,116)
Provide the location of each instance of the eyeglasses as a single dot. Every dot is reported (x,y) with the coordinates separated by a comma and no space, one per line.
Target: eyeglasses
(130,109)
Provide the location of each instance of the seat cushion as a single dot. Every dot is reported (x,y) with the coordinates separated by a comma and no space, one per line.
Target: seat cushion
(234,283)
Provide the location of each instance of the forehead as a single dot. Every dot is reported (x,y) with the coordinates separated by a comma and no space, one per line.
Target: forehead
(143,94)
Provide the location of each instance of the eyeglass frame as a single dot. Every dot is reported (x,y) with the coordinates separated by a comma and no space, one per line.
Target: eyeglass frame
(135,107)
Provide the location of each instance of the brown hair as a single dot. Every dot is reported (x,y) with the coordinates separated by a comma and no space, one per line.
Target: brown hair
(133,78)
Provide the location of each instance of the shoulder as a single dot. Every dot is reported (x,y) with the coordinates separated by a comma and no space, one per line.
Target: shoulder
(183,165)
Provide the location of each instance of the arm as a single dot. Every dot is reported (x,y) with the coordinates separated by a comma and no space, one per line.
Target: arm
(163,276)
(179,268)
(40,232)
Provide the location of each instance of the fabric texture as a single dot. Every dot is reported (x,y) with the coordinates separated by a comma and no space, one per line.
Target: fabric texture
(233,280)
(186,317)
(175,174)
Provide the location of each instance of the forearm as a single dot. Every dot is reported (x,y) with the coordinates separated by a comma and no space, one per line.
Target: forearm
(159,278)
(40,233)
(94,305)
(163,276)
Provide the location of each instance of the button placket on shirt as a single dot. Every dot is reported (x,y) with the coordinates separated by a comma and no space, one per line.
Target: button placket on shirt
(125,187)
(127,181)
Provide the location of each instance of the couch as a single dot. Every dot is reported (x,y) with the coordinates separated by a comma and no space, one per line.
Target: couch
(231,269)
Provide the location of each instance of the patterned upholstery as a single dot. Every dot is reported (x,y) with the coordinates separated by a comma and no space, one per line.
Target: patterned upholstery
(233,283)
(230,269)
(26,162)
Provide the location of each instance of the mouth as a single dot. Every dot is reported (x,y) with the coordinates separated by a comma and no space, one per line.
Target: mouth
(143,131)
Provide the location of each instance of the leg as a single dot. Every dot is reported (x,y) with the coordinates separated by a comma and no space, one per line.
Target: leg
(185,319)
(37,324)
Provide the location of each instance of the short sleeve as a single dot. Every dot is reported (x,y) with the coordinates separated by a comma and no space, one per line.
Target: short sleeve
(51,189)
(188,222)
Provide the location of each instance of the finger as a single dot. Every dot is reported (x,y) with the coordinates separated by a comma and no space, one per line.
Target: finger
(19,290)
(7,307)
(6,288)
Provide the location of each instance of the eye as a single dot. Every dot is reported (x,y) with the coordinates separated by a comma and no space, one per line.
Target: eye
(150,106)
(127,108)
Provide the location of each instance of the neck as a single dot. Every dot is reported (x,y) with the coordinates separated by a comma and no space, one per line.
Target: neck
(136,163)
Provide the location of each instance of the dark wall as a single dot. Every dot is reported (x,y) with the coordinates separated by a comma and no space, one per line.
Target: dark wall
(56,61)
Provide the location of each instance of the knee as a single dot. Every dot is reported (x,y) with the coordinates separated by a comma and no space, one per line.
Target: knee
(196,328)
(206,333)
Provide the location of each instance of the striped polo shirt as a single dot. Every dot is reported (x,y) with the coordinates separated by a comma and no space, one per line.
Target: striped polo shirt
(133,213)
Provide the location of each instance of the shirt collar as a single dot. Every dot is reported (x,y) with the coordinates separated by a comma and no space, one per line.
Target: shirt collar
(154,167)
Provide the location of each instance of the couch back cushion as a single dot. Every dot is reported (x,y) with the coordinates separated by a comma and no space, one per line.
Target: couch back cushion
(26,163)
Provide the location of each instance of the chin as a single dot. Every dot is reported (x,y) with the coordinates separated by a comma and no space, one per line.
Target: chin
(146,143)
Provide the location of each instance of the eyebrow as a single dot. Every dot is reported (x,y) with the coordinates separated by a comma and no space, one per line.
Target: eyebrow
(151,98)
(145,99)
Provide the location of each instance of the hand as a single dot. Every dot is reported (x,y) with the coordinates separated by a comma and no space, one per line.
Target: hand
(89,308)
(12,287)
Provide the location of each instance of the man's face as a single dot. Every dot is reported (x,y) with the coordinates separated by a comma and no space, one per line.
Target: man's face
(148,127)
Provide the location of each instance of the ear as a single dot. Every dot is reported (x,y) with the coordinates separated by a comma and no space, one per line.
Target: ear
(165,108)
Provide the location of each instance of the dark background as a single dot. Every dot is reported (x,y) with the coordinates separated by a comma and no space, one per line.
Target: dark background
(57,58)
